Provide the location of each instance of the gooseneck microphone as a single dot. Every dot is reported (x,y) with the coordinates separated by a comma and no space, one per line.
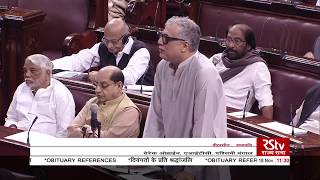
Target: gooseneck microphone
(34,120)
(91,64)
(99,129)
(245,106)
(95,124)
(86,77)
(94,120)
(142,79)
(84,131)
(291,119)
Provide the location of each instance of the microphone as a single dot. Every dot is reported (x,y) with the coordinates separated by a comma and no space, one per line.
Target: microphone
(99,129)
(155,14)
(142,78)
(84,131)
(245,106)
(91,64)
(292,126)
(34,120)
(85,76)
(94,120)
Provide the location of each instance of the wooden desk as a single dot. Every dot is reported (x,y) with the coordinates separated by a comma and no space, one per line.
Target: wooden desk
(307,144)
(9,147)
(15,156)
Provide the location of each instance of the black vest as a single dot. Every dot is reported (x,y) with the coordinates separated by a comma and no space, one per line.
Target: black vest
(107,59)
(311,102)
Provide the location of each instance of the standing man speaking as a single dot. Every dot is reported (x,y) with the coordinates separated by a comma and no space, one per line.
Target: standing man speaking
(188,100)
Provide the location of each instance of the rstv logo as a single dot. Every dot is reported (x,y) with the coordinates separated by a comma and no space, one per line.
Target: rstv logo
(273,147)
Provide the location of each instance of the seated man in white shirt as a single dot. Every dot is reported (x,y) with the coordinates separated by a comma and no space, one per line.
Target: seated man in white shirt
(308,115)
(118,49)
(242,70)
(41,99)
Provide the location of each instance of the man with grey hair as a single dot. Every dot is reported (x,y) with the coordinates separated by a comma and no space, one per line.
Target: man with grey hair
(41,100)
(188,100)
(117,48)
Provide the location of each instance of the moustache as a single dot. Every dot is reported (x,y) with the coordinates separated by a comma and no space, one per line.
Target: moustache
(28,81)
(230,50)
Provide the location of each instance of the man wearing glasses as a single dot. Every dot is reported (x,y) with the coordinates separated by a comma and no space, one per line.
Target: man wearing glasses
(244,73)
(118,115)
(118,49)
(188,99)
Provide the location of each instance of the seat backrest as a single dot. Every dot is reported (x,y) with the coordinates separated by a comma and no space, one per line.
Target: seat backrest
(288,88)
(150,38)
(62,18)
(154,52)
(144,110)
(151,12)
(80,98)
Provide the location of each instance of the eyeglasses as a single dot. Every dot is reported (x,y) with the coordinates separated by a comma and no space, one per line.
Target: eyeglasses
(165,38)
(106,41)
(236,41)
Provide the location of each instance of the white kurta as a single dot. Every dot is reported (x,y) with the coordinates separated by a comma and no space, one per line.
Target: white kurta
(255,78)
(81,61)
(312,124)
(54,107)
(188,103)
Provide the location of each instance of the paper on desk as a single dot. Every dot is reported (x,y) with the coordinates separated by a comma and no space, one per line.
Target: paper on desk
(34,136)
(147,93)
(286,129)
(239,114)
(67,74)
(138,87)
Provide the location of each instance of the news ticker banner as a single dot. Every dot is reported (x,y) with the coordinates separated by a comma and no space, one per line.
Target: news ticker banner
(161,151)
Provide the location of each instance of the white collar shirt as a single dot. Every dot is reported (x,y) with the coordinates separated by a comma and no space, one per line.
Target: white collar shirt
(255,78)
(81,61)
(312,123)
(54,106)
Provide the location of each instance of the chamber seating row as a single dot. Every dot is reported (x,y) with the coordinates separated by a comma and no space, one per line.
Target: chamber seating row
(291,76)
(276,33)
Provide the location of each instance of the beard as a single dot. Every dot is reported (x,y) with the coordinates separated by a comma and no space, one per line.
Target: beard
(234,55)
